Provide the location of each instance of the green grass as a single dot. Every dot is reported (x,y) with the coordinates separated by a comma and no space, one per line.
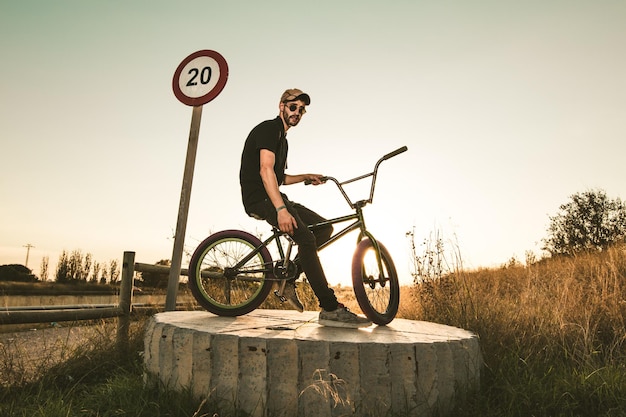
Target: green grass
(120,394)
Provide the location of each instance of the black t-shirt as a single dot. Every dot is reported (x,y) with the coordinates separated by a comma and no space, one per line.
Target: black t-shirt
(269,135)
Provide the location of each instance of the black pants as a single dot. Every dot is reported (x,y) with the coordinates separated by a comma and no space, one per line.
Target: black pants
(307,241)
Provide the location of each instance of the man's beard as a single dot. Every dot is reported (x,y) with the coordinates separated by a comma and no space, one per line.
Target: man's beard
(292,120)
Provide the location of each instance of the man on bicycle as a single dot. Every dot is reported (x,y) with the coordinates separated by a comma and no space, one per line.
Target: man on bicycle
(263,163)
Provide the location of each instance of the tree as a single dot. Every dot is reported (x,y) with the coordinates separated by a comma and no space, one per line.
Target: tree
(590,221)
(43,270)
(80,266)
(114,272)
(96,272)
(62,272)
(156,279)
(87,267)
(16,272)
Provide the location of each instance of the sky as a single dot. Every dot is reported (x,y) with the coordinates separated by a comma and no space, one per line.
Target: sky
(507,109)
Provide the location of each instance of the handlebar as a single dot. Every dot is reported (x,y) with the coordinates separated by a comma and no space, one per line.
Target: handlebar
(394,153)
(371,174)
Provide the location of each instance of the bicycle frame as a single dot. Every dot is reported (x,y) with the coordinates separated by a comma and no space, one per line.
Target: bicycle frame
(358,224)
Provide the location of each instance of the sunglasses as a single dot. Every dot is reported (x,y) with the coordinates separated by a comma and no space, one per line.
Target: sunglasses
(294,107)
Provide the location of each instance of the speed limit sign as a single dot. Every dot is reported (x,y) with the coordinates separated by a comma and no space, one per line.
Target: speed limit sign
(200,77)
(197,80)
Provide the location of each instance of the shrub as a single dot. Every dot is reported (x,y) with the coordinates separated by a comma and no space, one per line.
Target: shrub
(15,272)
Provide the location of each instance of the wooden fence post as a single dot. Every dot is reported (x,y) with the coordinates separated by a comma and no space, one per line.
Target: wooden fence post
(125,301)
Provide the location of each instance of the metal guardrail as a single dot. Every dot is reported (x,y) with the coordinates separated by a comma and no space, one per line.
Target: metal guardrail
(121,310)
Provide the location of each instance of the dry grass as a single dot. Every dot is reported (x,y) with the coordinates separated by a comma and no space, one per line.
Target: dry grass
(574,305)
(552,331)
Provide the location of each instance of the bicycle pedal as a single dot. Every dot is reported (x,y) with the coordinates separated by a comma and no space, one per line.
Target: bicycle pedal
(280,297)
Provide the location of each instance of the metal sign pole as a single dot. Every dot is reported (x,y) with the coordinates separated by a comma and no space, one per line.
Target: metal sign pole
(183,211)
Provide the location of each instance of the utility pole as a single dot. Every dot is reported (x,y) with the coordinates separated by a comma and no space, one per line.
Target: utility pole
(27,246)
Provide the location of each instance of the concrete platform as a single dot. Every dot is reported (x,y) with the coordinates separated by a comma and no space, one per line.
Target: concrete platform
(282,363)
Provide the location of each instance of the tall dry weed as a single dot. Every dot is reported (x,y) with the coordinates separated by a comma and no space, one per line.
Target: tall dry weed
(567,308)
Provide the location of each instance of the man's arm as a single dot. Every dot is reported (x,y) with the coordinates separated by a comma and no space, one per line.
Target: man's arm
(316,179)
(286,222)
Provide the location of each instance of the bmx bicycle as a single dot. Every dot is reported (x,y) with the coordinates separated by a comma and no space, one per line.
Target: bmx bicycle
(232,272)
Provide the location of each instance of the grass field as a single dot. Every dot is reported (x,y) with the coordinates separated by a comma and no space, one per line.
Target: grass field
(552,334)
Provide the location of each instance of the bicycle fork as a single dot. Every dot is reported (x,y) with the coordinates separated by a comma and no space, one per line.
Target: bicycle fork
(364,233)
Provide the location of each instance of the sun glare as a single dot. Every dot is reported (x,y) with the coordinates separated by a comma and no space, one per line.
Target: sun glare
(337,261)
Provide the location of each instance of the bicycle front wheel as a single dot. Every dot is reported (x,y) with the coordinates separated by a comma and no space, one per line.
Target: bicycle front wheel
(377,292)
(217,282)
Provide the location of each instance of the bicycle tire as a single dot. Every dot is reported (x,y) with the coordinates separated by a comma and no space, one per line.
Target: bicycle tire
(378,298)
(245,289)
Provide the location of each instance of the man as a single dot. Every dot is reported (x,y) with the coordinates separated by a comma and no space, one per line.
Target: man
(263,163)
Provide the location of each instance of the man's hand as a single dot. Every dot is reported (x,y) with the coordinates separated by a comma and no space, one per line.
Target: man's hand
(286,222)
(315,179)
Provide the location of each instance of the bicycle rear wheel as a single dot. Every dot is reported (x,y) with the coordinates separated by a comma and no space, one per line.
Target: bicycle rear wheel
(377,292)
(221,289)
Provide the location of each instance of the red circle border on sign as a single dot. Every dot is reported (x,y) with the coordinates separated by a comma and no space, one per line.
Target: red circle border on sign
(221,82)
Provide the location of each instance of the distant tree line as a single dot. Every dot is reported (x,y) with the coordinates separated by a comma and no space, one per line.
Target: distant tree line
(72,267)
(75,267)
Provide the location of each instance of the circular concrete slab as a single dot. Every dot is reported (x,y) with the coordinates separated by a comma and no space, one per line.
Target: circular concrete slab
(282,363)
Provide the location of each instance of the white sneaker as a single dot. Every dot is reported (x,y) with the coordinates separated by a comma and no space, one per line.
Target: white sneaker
(342,317)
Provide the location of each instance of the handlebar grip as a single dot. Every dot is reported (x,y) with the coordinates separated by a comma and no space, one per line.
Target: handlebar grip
(309,182)
(394,153)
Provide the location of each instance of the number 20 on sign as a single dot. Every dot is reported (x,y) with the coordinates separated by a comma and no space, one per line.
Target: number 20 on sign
(200,78)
